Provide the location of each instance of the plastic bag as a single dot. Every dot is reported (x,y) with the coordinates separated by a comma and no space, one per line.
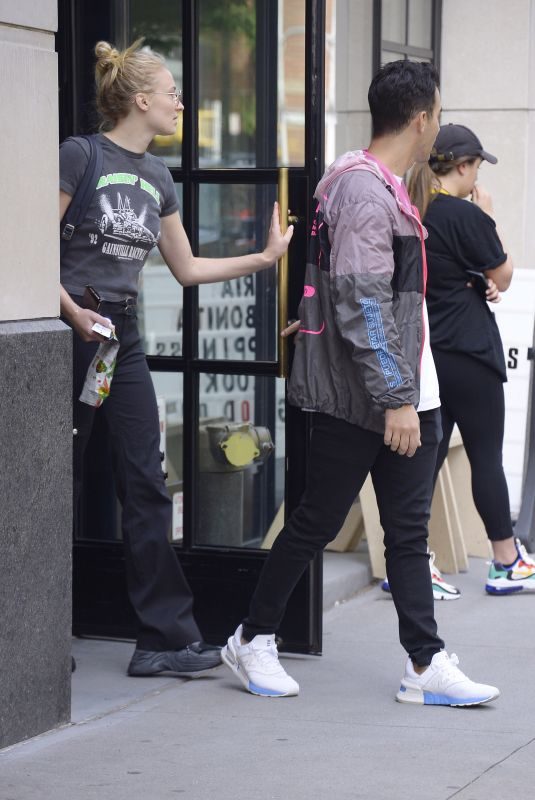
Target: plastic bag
(100,373)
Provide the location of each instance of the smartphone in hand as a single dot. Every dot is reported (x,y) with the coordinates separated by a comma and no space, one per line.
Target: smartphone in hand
(479,282)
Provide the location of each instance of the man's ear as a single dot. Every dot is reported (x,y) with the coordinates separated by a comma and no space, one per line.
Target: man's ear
(421,119)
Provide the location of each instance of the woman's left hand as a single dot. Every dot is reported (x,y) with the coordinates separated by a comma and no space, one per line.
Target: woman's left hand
(493,294)
(277,244)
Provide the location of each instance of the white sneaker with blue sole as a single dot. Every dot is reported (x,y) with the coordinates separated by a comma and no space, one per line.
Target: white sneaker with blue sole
(257,666)
(443,684)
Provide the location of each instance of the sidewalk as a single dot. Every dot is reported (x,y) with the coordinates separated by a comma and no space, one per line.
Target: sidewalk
(343,738)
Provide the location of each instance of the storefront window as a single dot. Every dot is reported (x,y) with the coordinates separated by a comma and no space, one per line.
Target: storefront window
(160,304)
(160,24)
(251,84)
(420,23)
(407,29)
(237,318)
(241,460)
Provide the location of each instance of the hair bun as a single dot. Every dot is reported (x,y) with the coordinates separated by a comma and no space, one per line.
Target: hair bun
(108,58)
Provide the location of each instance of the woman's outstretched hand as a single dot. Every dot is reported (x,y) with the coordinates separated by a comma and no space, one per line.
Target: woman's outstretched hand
(277,243)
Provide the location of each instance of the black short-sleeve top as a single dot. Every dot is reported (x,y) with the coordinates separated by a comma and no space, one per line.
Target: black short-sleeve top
(462,237)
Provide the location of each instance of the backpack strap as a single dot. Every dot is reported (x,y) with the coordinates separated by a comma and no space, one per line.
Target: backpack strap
(85,190)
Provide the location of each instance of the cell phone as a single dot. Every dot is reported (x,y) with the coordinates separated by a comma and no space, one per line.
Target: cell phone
(479,282)
(102,330)
(91,299)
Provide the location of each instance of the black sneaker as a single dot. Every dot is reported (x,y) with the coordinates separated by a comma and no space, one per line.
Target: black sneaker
(193,661)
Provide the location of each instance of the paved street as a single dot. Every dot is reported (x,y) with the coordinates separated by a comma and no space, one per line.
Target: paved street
(343,738)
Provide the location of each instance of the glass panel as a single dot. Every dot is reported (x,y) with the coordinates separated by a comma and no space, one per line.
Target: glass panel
(251,83)
(101,510)
(291,83)
(330,82)
(420,23)
(241,460)
(160,305)
(169,395)
(393,21)
(237,318)
(387,56)
(160,23)
(227,83)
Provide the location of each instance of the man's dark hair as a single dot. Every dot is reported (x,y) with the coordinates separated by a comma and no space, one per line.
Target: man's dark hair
(399,91)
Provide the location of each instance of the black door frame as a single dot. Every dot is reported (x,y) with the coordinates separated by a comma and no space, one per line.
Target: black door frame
(101,607)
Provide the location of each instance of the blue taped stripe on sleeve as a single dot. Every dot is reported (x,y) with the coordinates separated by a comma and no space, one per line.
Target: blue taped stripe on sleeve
(377,339)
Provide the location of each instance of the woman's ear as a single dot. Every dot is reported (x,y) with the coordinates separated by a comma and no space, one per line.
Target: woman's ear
(141,101)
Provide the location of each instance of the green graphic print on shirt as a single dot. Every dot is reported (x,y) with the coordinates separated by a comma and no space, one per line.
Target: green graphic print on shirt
(119,222)
(122,224)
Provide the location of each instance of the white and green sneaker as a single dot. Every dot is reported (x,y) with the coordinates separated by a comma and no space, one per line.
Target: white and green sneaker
(515,578)
(441,589)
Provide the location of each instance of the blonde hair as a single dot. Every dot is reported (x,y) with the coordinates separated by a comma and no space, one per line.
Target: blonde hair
(424,180)
(119,76)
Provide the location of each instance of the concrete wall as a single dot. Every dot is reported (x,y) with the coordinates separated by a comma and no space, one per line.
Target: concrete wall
(354,27)
(29,267)
(488,84)
(35,519)
(35,391)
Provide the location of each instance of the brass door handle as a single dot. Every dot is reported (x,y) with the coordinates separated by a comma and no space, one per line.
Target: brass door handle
(282,277)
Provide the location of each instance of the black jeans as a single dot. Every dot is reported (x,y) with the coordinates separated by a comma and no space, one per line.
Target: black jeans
(157,587)
(341,456)
(472,396)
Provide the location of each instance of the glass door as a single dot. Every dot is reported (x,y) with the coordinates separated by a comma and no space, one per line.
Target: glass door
(251,72)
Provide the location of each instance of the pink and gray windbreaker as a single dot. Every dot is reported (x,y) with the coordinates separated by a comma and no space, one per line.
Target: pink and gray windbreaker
(359,347)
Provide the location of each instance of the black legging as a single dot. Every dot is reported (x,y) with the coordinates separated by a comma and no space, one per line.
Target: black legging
(471,395)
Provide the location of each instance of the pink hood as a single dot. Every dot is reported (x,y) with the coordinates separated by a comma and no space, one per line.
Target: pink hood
(362,160)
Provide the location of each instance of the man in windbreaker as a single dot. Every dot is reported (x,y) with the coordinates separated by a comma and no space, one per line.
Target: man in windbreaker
(363,366)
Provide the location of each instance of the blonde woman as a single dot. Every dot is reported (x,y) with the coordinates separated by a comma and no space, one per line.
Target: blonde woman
(134,208)
(467,266)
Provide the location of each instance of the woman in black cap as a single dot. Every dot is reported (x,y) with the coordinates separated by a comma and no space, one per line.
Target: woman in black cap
(468,266)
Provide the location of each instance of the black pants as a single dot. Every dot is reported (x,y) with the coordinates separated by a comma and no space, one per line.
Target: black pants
(157,587)
(472,396)
(341,456)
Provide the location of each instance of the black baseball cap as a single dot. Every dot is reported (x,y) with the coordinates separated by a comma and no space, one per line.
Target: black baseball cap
(457,141)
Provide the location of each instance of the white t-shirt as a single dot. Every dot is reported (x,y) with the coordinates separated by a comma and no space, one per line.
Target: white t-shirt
(429,391)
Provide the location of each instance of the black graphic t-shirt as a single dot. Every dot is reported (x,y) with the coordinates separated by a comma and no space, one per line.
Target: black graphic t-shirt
(122,224)
(461,237)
